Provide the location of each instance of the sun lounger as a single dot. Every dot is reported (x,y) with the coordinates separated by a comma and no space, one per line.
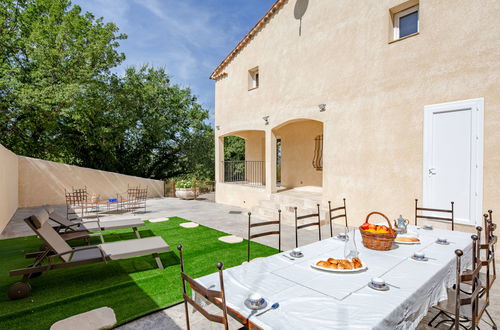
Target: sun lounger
(65,256)
(74,229)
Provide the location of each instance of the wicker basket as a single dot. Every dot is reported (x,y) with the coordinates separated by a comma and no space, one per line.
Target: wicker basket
(378,241)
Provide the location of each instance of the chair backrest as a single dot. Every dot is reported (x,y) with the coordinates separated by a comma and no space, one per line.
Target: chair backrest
(57,217)
(142,195)
(39,222)
(307,216)
(489,247)
(449,214)
(336,213)
(470,300)
(268,233)
(211,295)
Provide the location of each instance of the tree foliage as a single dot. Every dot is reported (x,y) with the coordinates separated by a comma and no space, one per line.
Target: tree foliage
(60,100)
(234,148)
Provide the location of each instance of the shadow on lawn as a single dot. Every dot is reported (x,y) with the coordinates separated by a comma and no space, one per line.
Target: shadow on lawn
(131,287)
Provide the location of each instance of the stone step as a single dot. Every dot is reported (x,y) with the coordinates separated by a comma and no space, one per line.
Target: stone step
(287,213)
(299,202)
(270,204)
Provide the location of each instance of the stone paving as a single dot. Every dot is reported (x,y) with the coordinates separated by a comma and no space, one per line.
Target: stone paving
(229,219)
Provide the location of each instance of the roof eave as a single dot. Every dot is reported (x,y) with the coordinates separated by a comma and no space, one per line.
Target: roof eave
(217,74)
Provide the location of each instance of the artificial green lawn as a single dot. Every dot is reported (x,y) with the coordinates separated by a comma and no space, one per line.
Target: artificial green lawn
(132,287)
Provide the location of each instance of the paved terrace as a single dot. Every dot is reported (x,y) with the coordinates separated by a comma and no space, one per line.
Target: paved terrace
(229,219)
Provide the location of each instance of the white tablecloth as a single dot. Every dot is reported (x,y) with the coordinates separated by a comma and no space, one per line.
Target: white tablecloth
(313,299)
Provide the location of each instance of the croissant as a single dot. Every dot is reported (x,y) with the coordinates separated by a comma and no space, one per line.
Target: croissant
(357,263)
(346,264)
(323,264)
(333,261)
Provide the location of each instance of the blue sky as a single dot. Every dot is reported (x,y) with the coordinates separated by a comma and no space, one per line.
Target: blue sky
(187,37)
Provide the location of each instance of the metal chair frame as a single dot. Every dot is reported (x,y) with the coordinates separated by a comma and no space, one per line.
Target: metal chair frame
(207,293)
(338,216)
(312,215)
(472,298)
(268,233)
(429,217)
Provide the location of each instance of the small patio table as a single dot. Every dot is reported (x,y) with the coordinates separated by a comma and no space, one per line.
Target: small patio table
(313,299)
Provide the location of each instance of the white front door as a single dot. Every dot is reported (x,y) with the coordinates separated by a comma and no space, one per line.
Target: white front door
(453,158)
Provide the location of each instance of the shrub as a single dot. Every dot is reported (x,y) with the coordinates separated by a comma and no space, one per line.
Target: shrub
(185,184)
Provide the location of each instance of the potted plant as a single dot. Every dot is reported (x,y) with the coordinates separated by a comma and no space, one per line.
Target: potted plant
(185,189)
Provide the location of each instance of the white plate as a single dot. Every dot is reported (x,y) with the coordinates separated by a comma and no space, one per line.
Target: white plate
(313,265)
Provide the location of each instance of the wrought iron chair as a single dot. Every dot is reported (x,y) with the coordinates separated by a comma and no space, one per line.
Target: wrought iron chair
(206,293)
(487,278)
(462,308)
(307,216)
(343,214)
(268,233)
(76,201)
(451,211)
(491,240)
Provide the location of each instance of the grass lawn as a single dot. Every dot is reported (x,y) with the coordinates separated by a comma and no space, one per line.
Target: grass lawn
(132,287)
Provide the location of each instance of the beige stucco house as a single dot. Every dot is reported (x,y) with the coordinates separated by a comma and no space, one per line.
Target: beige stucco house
(379,102)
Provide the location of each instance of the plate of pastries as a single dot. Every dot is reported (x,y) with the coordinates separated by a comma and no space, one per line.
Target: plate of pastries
(339,265)
(407,240)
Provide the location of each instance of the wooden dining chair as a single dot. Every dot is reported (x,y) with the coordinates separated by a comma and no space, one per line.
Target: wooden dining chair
(336,213)
(206,293)
(464,308)
(307,216)
(268,233)
(449,218)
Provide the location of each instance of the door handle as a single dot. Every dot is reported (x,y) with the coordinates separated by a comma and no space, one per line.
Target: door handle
(432,171)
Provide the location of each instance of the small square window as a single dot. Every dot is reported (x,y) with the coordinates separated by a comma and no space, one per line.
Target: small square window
(253,78)
(406,22)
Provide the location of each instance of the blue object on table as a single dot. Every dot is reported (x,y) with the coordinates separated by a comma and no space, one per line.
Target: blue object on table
(112,200)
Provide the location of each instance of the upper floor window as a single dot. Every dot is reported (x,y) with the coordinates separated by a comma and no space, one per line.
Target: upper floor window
(405,22)
(253,78)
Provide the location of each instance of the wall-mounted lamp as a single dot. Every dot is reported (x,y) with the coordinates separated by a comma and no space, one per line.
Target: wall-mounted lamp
(322,107)
(266,119)
(218,127)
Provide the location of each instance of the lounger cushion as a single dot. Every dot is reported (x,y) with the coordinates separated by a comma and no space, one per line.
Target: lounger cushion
(134,247)
(113,224)
(124,249)
(39,217)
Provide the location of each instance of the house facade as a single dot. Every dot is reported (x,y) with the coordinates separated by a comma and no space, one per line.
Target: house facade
(378,102)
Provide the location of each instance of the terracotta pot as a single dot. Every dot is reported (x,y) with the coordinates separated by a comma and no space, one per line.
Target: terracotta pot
(185,193)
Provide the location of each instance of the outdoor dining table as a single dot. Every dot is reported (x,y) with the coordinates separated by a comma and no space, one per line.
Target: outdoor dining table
(314,299)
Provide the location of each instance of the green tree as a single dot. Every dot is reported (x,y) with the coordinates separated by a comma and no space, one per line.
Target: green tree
(52,55)
(60,101)
(234,148)
(169,135)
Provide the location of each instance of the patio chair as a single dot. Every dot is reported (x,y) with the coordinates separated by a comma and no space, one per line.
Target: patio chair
(488,277)
(268,233)
(78,203)
(136,198)
(65,256)
(450,218)
(462,308)
(343,214)
(307,216)
(489,252)
(206,293)
(139,200)
(70,230)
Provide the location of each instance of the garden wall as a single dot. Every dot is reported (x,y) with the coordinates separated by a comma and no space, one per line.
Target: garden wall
(8,186)
(43,182)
